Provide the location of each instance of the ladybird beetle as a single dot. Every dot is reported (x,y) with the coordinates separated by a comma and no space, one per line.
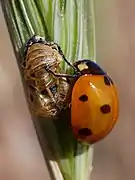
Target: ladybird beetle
(89,92)
(94,103)
(47,85)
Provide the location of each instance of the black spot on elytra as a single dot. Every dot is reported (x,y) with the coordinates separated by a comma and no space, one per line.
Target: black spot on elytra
(83,98)
(105,109)
(85,132)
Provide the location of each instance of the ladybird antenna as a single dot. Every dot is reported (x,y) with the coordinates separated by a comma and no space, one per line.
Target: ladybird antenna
(75,69)
(61,53)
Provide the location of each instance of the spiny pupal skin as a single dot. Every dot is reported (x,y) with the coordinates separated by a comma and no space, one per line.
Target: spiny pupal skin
(46,92)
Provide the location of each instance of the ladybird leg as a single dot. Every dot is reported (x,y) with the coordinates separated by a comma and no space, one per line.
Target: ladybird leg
(60,75)
(61,53)
(64,75)
(58,48)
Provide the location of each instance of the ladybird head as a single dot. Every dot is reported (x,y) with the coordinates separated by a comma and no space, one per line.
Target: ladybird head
(88,67)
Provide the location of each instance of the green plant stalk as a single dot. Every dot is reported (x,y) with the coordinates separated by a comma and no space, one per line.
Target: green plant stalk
(71,24)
